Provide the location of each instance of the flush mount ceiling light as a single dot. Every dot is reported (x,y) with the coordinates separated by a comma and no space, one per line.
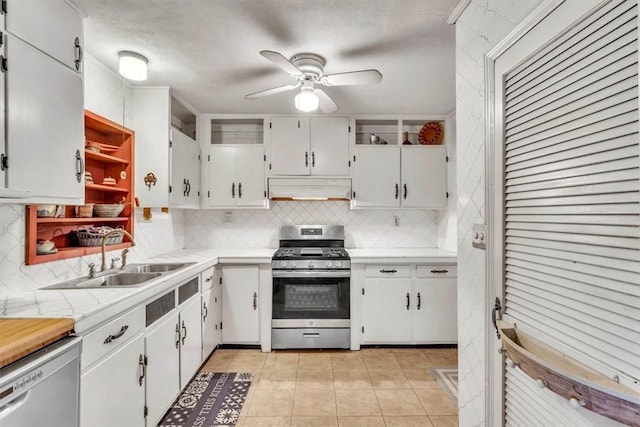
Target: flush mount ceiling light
(307,100)
(132,66)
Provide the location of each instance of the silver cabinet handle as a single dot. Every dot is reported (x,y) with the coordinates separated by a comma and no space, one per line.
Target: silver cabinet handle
(389,271)
(440,271)
(419,301)
(408,301)
(206,311)
(177,335)
(79,166)
(116,336)
(188,188)
(184,335)
(255,300)
(143,370)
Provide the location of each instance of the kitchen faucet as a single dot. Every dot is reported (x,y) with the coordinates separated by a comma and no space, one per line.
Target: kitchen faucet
(124,252)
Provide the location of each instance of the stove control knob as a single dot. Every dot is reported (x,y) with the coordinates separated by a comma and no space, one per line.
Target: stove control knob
(292,264)
(283,264)
(329,264)
(311,264)
(338,264)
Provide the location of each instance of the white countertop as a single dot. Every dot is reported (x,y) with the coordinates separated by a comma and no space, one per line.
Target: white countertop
(92,307)
(404,255)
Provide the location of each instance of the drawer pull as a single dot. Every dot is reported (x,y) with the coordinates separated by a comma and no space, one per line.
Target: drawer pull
(311,334)
(116,336)
(408,301)
(440,271)
(389,271)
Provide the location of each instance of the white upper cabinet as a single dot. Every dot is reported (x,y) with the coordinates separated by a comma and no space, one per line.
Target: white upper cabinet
(376,176)
(387,173)
(52,26)
(300,146)
(156,111)
(236,176)
(424,177)
(185,171)
(43,154)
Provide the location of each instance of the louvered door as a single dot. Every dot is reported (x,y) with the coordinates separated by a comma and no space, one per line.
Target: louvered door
(571,205)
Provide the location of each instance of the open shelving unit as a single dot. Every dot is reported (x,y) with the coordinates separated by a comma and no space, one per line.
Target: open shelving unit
(116,163)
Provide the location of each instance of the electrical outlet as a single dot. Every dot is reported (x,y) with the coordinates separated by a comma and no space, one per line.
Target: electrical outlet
(227,217)
(479,236)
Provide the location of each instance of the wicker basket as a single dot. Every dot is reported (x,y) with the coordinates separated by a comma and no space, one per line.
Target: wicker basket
(108,210)
(94,236)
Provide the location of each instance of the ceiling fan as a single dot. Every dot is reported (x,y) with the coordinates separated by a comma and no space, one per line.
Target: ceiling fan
(308,69)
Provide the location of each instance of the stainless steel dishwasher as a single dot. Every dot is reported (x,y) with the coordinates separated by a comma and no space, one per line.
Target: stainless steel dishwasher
(43,389)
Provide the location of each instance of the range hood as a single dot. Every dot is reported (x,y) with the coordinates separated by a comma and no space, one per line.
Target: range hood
(309,188)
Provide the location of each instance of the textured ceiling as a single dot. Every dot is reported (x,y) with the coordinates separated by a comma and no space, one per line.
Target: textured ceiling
(208,50)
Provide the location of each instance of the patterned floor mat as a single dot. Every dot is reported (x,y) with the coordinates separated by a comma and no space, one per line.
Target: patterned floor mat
(447,377)
(210,399)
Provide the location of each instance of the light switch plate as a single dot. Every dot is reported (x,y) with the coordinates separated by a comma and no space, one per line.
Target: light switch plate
(479,236)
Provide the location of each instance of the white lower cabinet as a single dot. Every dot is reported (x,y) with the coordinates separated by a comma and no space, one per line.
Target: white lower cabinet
(163,357)
(409,304)
(240,302)
(210,311)
(112,380)
(190,340)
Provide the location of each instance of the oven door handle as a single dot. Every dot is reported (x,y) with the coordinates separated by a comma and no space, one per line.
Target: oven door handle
(293,274)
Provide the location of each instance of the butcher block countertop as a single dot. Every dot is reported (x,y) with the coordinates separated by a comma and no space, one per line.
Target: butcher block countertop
(20,337)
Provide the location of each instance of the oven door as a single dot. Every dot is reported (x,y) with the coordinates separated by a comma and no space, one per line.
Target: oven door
(300,295)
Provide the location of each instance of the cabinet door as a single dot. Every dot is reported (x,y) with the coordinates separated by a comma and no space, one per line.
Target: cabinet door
(435,318)
(185,170)
(385,316)
(152,126)
(250,188)
(376,179)
(424,177)
(45,129)
(111,391)
(51,26)
(163,359)
(290,146)
(191,340)
(240,302)
(210,321)
(329,146)
(222,176)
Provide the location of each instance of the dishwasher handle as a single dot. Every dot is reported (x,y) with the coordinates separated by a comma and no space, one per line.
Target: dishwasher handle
(14,404)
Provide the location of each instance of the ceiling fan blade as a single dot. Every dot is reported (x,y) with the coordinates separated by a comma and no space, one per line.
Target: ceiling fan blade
(271,91)
(362,77)
(327,105)
(281,62)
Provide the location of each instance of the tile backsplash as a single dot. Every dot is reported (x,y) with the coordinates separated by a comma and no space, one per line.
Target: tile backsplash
(259,228)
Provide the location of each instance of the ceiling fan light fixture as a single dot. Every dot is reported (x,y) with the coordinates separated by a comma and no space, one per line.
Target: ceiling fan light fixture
(306,100)
(132,66)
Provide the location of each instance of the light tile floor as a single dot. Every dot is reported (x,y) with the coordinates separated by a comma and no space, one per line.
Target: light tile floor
(370,387)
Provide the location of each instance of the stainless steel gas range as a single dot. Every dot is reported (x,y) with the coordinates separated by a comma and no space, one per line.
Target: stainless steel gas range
(311,288)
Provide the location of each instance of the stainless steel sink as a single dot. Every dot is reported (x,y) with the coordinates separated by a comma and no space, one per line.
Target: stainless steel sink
(155,268)
(107,281)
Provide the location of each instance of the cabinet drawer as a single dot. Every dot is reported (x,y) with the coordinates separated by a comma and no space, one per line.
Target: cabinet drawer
(387,271)
(111,336)
(437,271)
(207,278)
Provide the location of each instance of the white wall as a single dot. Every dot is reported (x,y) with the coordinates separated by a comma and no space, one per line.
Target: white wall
(165,232)
(482,25)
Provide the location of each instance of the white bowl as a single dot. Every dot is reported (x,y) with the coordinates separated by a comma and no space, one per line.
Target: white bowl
(45,210)
(45,246)
(107,210)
